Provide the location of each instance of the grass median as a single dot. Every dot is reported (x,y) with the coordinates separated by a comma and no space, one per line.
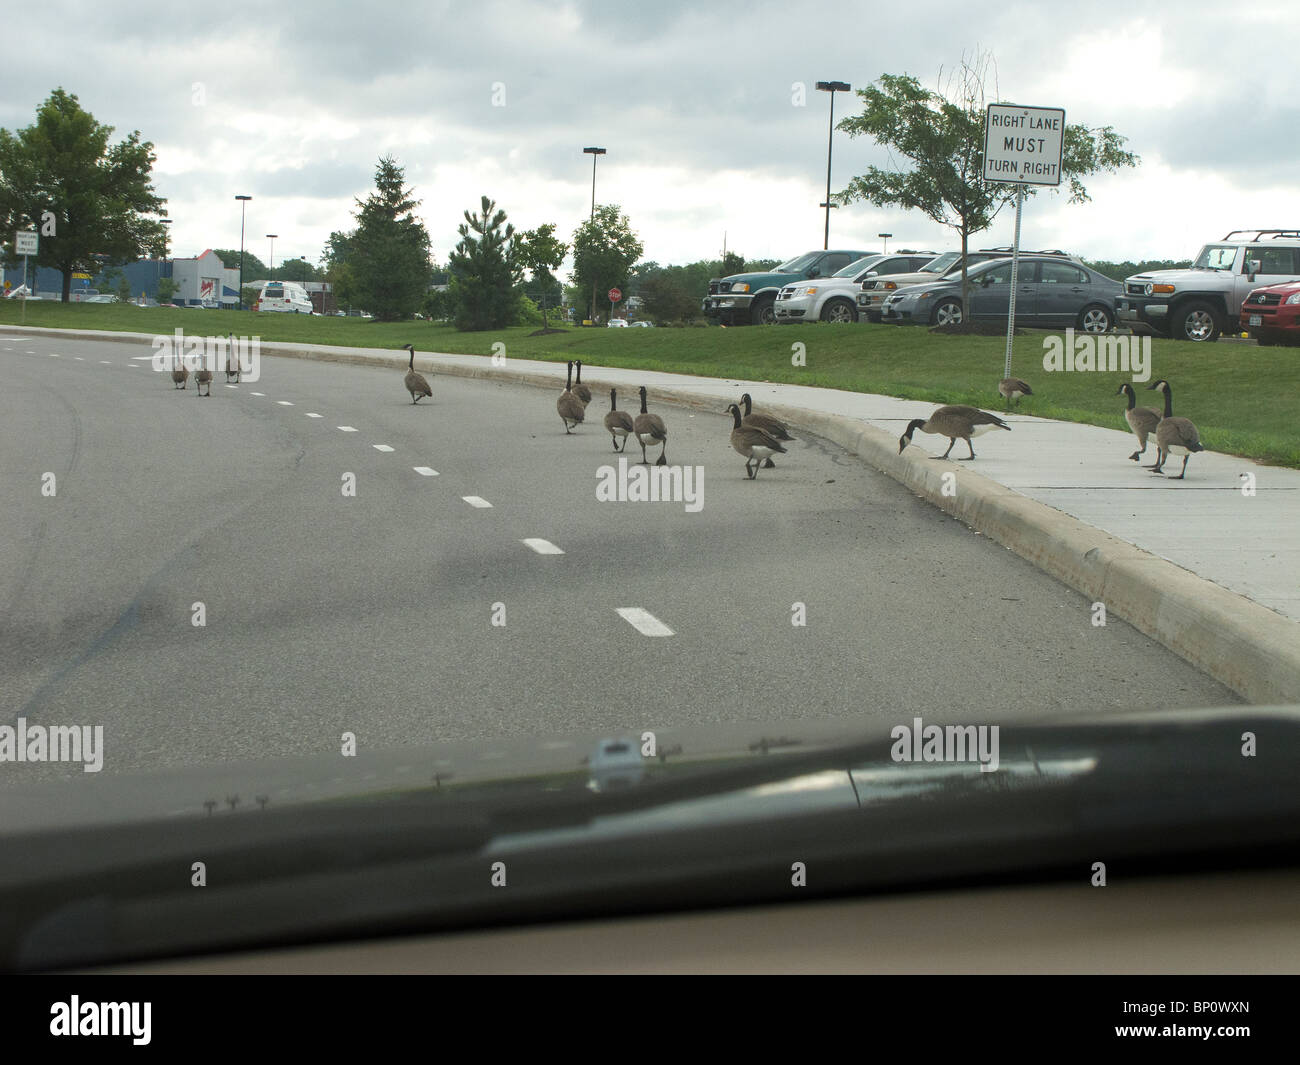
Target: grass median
(1242,397)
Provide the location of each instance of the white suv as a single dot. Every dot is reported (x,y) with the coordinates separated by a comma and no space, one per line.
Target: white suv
(834,298)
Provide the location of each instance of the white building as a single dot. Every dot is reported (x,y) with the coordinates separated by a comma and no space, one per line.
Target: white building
(205,280)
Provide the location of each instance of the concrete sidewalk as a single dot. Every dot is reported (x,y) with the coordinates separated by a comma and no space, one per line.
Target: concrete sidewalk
(1063,495)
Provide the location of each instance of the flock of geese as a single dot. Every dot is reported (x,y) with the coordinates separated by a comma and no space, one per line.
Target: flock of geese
(757,437)
(203,376)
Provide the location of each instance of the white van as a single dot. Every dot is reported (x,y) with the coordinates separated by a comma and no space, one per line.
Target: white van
(287,297)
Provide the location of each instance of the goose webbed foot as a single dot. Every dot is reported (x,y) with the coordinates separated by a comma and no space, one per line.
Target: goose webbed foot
(769,465)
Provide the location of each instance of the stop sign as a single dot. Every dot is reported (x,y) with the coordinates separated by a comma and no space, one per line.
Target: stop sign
(615,295)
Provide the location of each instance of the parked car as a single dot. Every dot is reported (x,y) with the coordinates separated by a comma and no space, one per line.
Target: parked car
(1272,315)
(100,298)
(644,325)
(617,323)
(744,298)
(1051,292)
(875,291)
(834,299)
(286,297)
(1204,300)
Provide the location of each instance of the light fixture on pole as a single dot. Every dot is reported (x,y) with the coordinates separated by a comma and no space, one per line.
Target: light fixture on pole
(243,204)
(831,87)
(885,237)
(593,152)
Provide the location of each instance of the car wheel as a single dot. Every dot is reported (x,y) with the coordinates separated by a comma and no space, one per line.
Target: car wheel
(946,312)
(764,312)
(839,310)
(1096,319)
(1196,321)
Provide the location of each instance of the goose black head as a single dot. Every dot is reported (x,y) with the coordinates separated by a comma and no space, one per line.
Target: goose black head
(1125,389)
(1162,384)
(749,404)
(906,438)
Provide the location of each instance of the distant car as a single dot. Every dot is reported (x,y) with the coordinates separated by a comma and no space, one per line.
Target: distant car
(1052,293)
(615,763)
(618,323)
(644,325)
(102,298)
(832,299)
(1272,314)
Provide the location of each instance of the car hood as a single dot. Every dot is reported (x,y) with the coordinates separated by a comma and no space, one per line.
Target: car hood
(1177,276)
(1284,288)
(763,280)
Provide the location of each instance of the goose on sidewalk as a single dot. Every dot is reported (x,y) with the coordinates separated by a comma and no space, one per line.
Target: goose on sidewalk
(415,382)
(753,443)
(956,422)
(1174,436)
(1142,420)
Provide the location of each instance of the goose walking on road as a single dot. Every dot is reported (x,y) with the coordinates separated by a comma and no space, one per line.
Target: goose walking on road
(774,427)
(753,443)
(650,429)
(1142,420)
(233,366)
(617,422)
(1174,436)
(415,382)
(957,422)
(570,408)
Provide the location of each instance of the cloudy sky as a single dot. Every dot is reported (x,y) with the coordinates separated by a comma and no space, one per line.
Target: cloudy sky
(696,103)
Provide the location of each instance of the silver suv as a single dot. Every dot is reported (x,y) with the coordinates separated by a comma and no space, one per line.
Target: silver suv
(1204,300)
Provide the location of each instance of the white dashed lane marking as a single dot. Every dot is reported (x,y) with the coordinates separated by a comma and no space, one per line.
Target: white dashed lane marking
(542,547)
(425,471)
(381,447)
(313,415)
(284,403)
(476,501)
(257,393)
(643,621)
(346,429)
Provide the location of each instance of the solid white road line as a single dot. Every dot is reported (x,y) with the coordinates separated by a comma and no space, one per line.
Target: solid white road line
(476,501)
(542,547)
(381,447)
(643,621)
(425,471)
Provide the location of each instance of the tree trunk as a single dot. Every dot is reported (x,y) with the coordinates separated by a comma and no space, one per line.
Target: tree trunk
(67,283)
(965,281)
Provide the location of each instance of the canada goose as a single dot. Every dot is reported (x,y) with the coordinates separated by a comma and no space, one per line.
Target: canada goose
(579,389)
(570,407)
(774,427)
(752,442)
(233,367)
(202,376)
(180,372)
(956,423)
(618,422)
(1142,420)
(1013,388)
(1174,436)
(649,429)
(415,382)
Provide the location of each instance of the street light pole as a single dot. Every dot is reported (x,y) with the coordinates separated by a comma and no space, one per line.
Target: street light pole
(831,87)
(272,236)
(243,204)
(885,237)
(593,152)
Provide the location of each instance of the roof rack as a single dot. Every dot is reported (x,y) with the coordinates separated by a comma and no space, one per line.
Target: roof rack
(1276,234)
(1025,251)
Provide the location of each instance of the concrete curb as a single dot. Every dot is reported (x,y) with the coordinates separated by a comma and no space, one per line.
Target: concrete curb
(1245,646)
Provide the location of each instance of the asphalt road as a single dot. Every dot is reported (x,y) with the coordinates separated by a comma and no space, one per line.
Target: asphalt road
(373,614)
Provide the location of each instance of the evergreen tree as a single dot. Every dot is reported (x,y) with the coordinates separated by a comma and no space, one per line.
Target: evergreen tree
(485,271)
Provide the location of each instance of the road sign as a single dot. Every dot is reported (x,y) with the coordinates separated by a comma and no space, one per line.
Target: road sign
(615,295)
(1022,145)
(26,242)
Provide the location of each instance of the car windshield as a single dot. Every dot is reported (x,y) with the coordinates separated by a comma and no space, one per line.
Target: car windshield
(858,266)
(1216,257)
(800,263)
(941,264)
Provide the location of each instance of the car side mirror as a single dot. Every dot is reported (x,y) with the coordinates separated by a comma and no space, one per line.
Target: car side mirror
(1252,267)
(985,281)
(814,272)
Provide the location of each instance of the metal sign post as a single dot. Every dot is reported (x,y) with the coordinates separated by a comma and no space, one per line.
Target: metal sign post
(1022,146)
(26,242)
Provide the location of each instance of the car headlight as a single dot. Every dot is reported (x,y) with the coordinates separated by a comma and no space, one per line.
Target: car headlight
(807,291)
(1293,298)
(891,285)
(1165,288)
(742,287)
